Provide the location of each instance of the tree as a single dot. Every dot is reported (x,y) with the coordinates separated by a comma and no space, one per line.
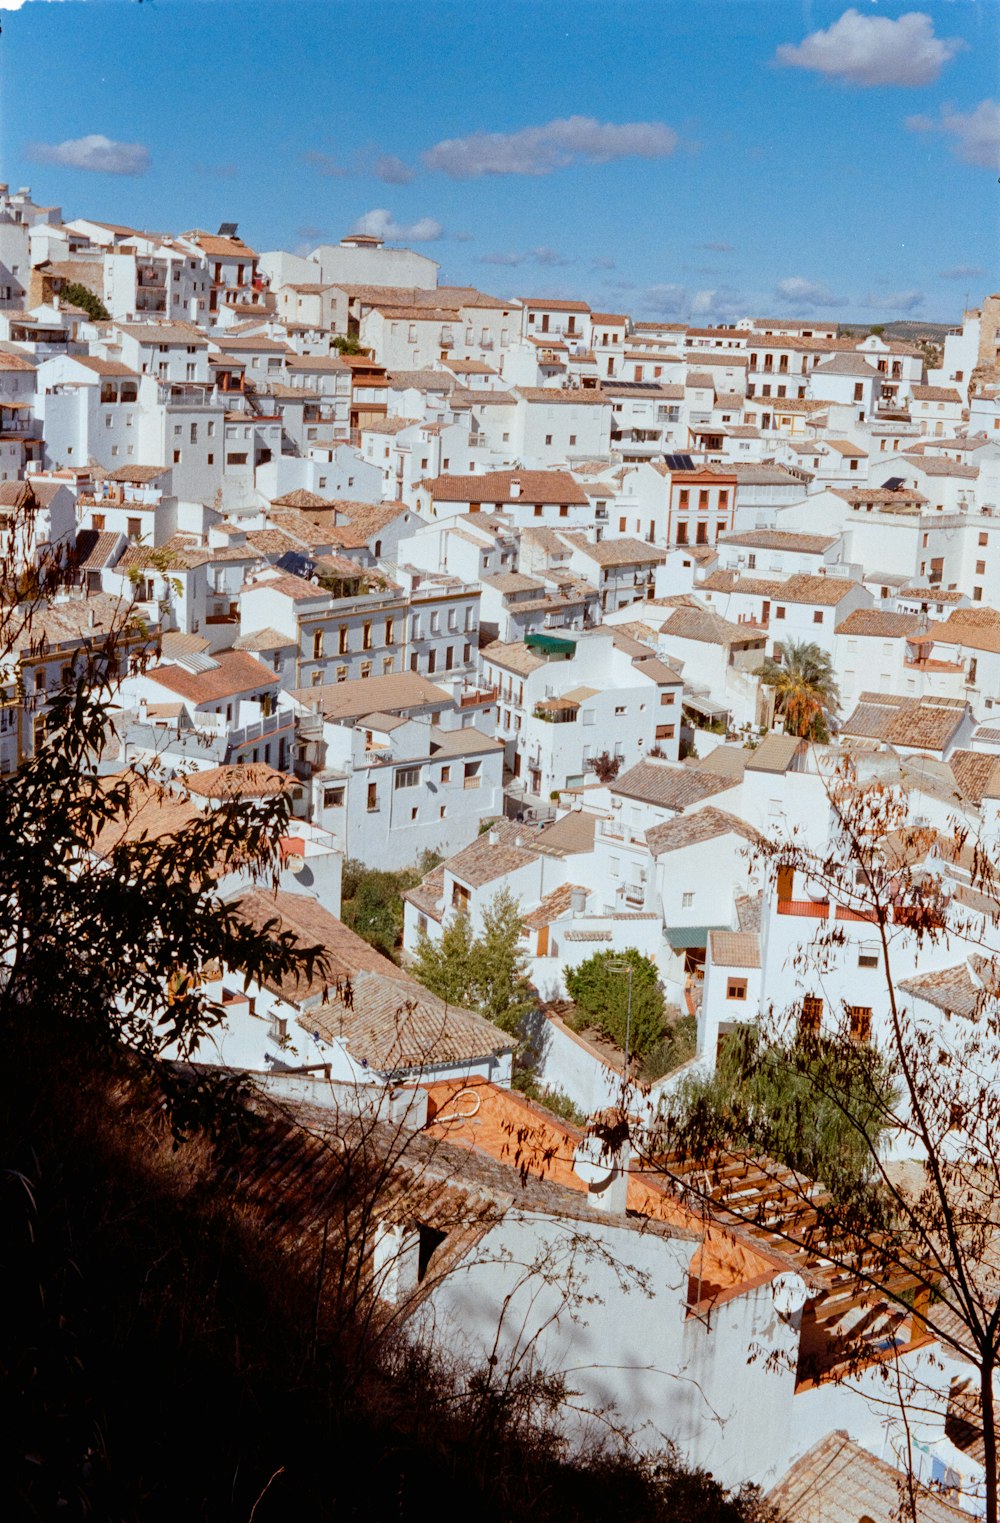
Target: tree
(916,1247)
(484,973)
(76,295)
(447,967)
(605,767)
(806,693)
(349,343)
(503,993)
(772,1095)
(600,989)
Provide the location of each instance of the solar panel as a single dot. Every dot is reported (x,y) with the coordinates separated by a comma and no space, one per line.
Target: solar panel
(297,564)
(893,484)
(227,230)
(680,462)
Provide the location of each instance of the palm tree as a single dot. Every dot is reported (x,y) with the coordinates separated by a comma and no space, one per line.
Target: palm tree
(805,689)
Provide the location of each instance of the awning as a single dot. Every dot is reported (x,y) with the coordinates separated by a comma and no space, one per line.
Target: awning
(681,937)
(705,706)
(549,645)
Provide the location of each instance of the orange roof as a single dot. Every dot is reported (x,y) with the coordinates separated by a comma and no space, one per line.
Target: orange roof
(480,1116)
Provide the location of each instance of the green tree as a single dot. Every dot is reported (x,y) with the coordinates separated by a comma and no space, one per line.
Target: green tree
(503,993)
(76,295)
(349,343)
(448,966)
(812,1103)
(805,689)
(600,989)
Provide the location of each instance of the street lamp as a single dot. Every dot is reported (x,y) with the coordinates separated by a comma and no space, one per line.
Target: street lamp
(622,965)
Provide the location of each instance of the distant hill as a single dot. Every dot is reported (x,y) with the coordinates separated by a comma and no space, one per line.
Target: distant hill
(904,330)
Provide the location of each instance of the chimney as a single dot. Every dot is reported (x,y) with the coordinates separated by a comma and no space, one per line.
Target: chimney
(578,901)
(494,837)
(604,1170)
(515,488)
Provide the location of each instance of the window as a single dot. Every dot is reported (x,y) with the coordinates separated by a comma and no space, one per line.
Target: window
(779,613)
(317,678)
(548,438)
(620,708)
(318,645)
(372,797)
(818,616)
(366,669)
(861,1022)
(390,632)
(446,774)
(984,539)
(366,635)
(472,778)
(342,645)
(572,438)
(133,528)
(977,594)
(736,988)
(333,798)
(811,1016)
(868,955)
(236,459)
(407,777)
(687,900)
(980,568)
(177,455)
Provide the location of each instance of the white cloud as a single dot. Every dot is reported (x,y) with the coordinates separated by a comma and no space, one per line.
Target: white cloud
(93,152)
(976,133)
(324,165)
(382,224)
(874,50)
(543,255)
(392,170)
(897,301)
(961,272)
(808,293)
(553,145)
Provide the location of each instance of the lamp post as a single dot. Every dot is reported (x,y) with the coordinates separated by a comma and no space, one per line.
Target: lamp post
(622,965)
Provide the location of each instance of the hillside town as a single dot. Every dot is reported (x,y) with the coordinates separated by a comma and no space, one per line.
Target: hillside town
(386,548)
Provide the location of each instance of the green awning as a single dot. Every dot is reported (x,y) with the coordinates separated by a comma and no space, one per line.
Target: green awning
(549,645)
(681,937)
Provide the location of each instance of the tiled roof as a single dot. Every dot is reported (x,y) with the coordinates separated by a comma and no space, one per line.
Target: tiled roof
(924,724)
(876,623)
(499,486)
(553,304)
(705,625)
(825,590)
(692,829)
(345,954)
(734,949)
(367,695)
(514,657)
(104,367)
(94,550)
(961,990)
(250,780)
(570,834)
(483,861)
(235,673)
(780,539)
(552,906)
(668,787)
(837,1481)
(621,551)
(576,395)
(975,628)
(392,1023)
(977,774)
(935,394)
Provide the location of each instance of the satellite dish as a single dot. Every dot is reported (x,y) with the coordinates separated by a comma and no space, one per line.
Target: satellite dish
(295,863)
(593,1164)
(790,1294)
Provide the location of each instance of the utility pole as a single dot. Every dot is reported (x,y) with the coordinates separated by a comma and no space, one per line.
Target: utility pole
(622,965)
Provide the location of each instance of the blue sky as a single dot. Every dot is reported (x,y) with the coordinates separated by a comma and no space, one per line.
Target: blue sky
(671,158)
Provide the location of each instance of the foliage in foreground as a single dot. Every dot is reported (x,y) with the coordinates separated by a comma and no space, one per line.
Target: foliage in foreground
(807,1103)
(168,1361)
